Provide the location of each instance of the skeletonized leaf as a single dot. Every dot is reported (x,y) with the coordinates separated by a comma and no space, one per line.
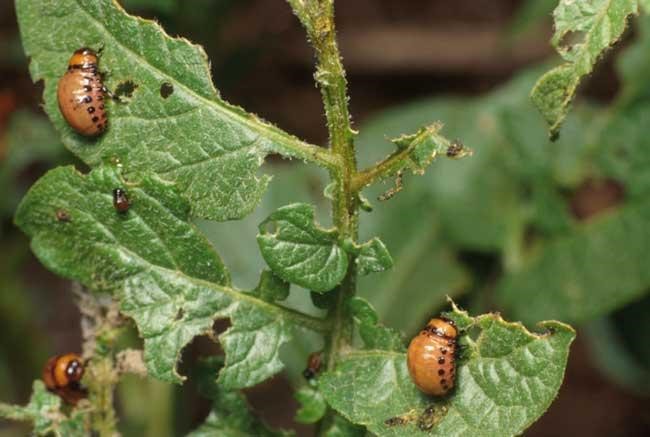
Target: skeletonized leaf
(166,274)
(507,380)
(596,25)
(173,124)
(301,252)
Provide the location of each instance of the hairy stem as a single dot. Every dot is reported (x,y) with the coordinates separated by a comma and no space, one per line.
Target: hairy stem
(317,16)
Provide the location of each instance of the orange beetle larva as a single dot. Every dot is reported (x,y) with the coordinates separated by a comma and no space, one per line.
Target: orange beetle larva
(62,375)
(431,357)
(81,94)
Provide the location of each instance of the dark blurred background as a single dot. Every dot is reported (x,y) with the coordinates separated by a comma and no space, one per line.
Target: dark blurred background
(396,53)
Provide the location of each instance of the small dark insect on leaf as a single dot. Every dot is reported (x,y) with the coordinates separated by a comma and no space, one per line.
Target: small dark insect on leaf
(166,90)
(62,215)
(314,363)
(430,416)
(401,420)
(396,421)
(455,149)
(120,200)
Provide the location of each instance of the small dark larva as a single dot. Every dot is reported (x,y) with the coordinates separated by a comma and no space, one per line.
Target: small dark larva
(120,200)
(314,363)
(62,215)
(431,357)
(62,375)
(81,94)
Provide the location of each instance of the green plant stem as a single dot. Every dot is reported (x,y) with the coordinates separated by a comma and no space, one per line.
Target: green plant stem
(317,16)
(383,169)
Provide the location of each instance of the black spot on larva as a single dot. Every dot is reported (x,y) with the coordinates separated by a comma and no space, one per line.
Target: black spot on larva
(166,90)
(441,360)
(95,119)
(87,99)
(125,89)
(443,351)
(443,382)
(90,109)
(88,88)
(101,106)
(441,372)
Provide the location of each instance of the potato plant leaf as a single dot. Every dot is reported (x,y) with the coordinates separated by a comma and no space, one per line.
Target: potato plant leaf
(165,273)
(44,411)
(173,122)
(506,380)
(301,252)
(373,257)
(584,30)
(425,145)
(312,405)
(373,334)
(230,414)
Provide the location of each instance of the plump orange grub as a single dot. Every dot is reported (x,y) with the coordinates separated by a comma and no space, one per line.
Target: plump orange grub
(62,375)
(431,357)
(81,94)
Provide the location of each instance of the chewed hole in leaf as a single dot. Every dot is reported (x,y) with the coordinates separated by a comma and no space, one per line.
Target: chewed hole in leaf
(166,90)
(125,90)
(269,227)
(570,39)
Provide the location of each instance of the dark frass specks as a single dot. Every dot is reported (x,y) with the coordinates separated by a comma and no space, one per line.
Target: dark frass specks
(62,375)
(120,200)
(81,94)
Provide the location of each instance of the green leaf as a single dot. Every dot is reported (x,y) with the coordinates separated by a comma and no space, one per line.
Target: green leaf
(508,381)
(44,410)
(634,67)
(167,276)
(374,335)
(338,426)
(29,139)
(584,274)
(209,148)
(312,405)
(598,24)
(271,288)
(425,145)
(373,257)
(230,414)
(301,252)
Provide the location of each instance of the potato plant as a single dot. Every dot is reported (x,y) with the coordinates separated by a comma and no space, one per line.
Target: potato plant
(183,155)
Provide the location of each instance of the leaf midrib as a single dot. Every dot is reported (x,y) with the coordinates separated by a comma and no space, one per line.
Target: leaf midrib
(218,106)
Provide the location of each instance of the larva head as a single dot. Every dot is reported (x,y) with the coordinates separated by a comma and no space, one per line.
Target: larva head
(442,327)
(84,57)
